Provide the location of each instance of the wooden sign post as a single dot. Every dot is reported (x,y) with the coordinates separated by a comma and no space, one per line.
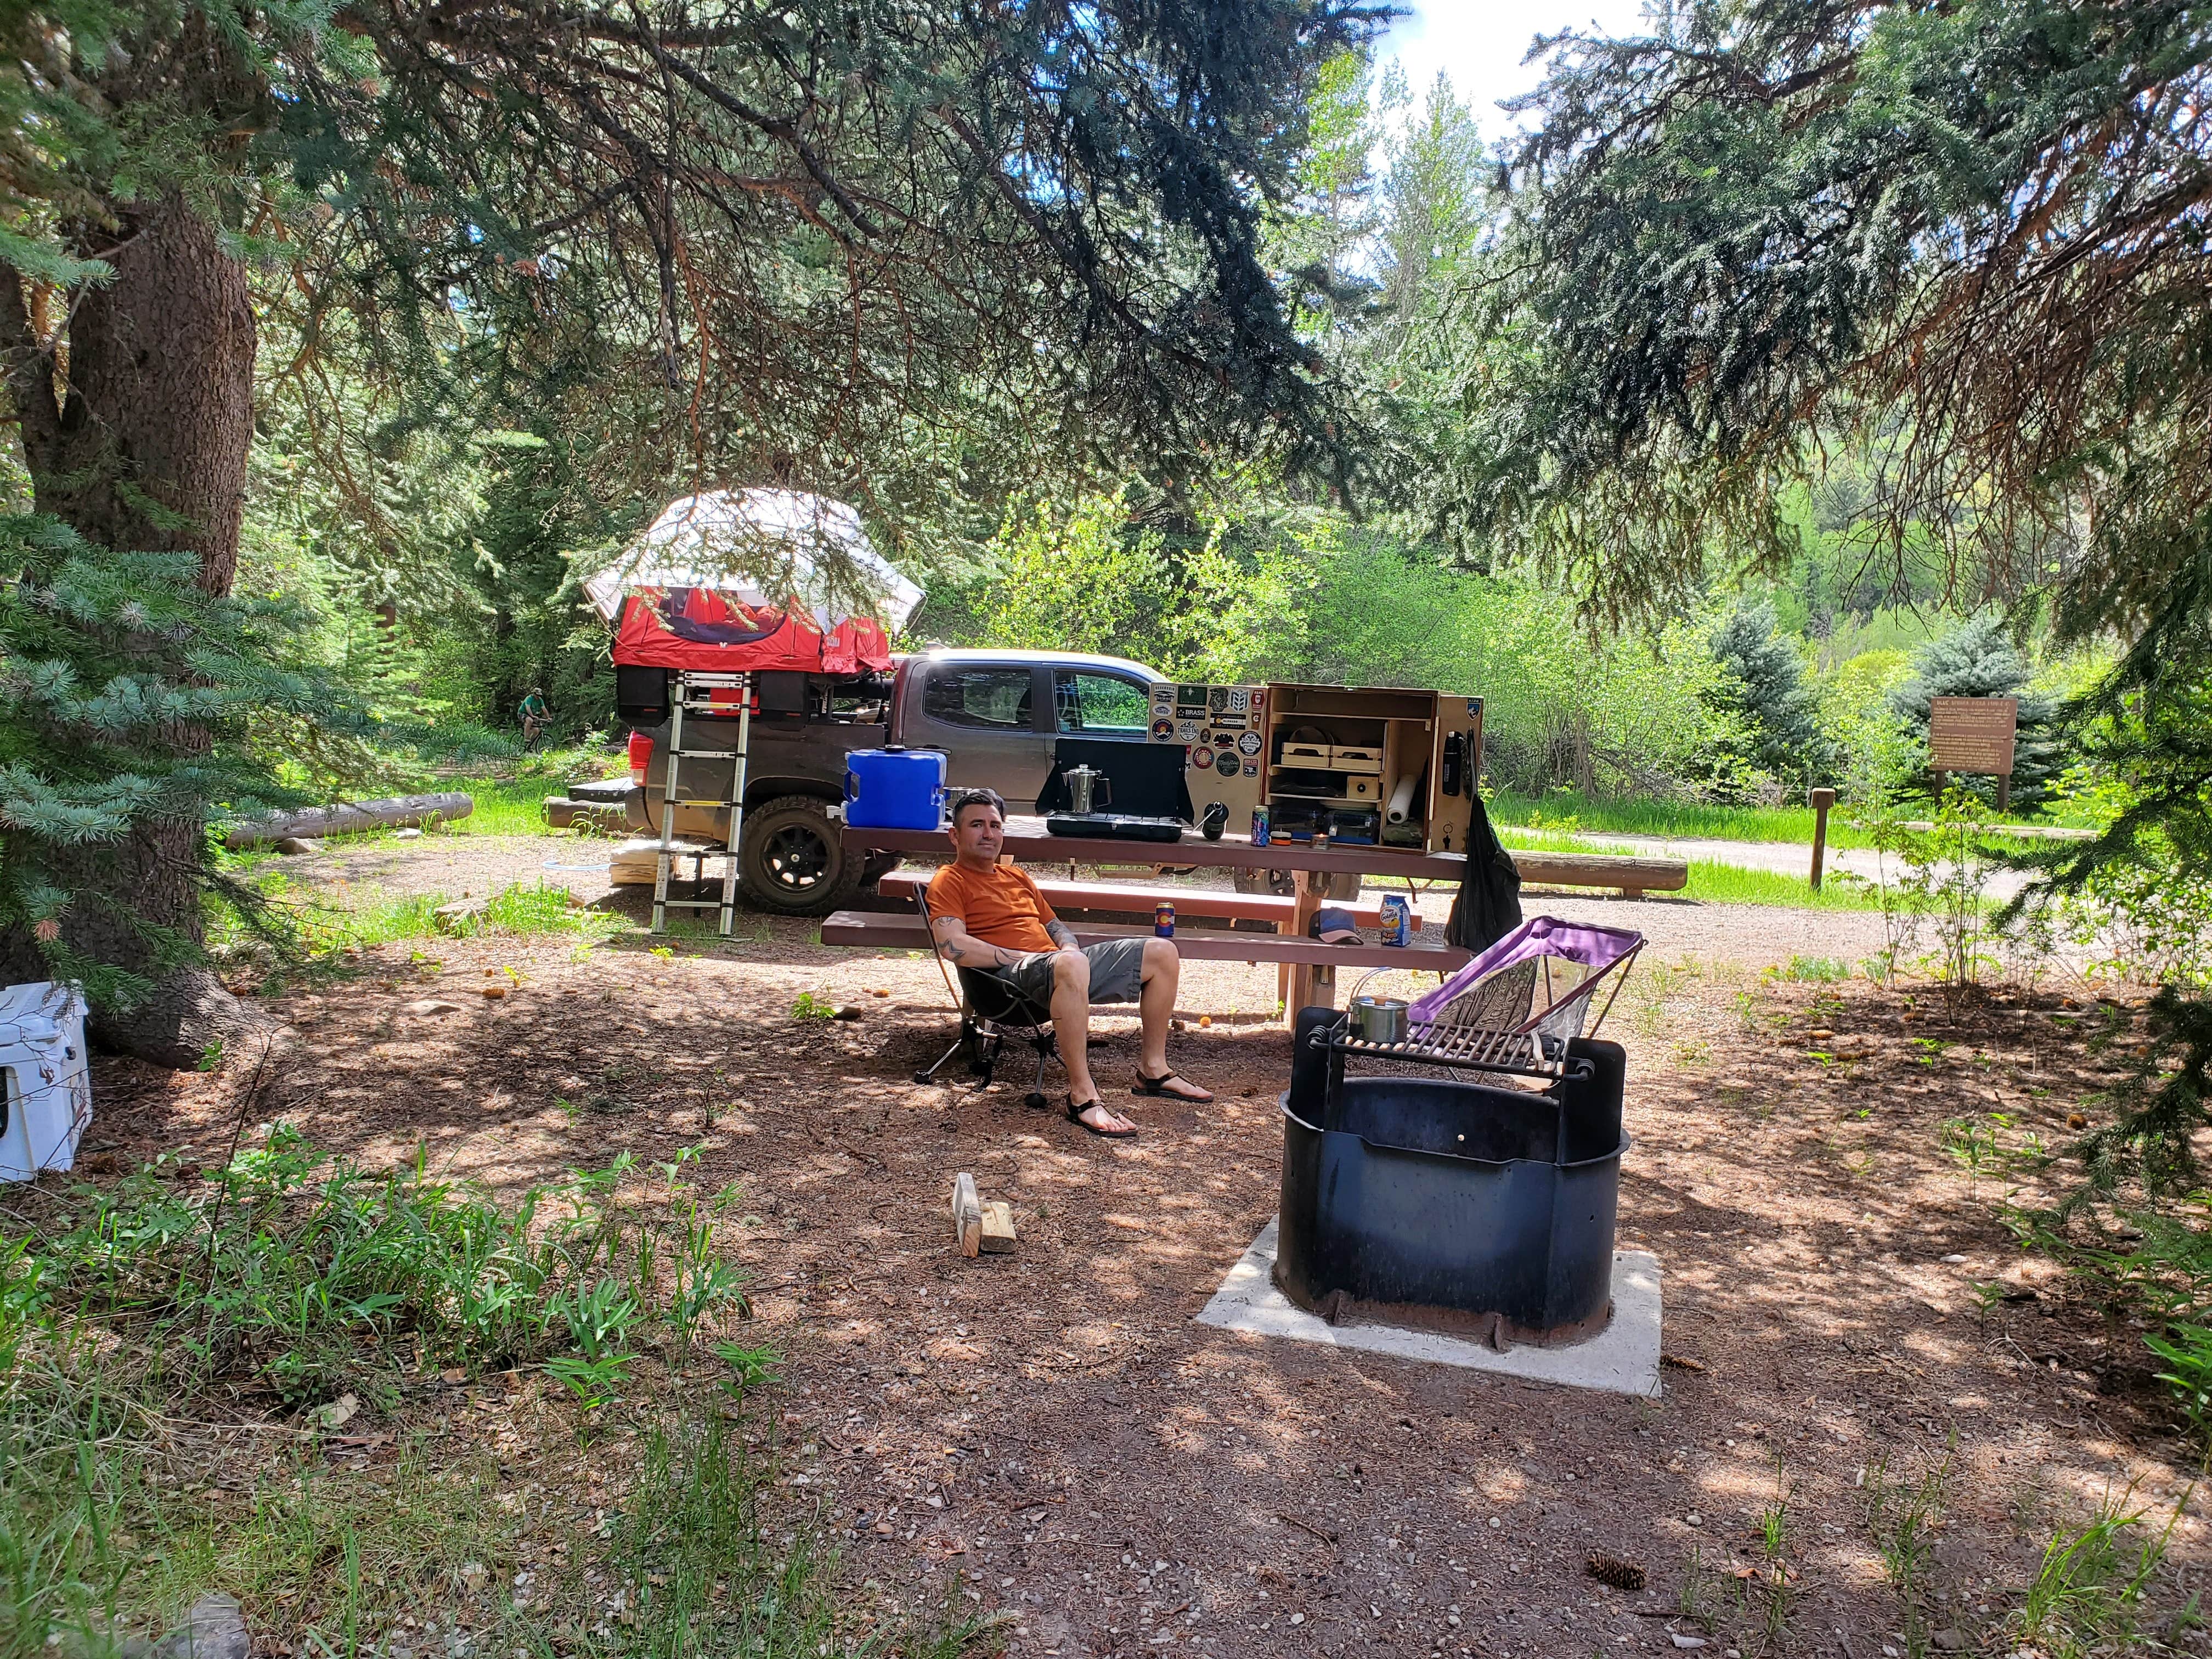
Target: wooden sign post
(1820,800)
(1973,734)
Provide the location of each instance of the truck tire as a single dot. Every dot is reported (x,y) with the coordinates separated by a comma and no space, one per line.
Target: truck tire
(792,860)
(1284,884)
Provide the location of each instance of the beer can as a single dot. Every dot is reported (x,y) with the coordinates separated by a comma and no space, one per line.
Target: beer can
(1259,826)
(1397,919)
(1164,919)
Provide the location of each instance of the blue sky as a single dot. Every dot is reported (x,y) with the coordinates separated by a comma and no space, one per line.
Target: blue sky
(1479,44)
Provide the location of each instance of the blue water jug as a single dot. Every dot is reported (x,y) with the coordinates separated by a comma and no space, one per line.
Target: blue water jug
(894,788)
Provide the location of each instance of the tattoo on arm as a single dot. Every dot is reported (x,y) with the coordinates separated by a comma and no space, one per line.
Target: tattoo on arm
(955,945)
(1061,933)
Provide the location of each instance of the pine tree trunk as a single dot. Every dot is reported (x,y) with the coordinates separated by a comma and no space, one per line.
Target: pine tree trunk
(145,447)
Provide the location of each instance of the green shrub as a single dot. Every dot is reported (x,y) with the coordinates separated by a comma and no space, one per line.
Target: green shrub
(307,1275)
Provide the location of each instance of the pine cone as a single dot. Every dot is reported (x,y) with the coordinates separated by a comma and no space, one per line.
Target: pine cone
(1610,1570)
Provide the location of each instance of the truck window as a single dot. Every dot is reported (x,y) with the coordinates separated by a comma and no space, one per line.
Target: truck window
(1102,704)
(995,699)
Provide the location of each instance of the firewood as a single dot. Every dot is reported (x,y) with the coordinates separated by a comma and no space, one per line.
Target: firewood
(967,1214)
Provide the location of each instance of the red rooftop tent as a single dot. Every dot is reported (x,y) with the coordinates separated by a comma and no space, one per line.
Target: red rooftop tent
(695,591)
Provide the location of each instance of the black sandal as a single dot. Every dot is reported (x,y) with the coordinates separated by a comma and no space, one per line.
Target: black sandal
(1075,1117)
(1159,1086)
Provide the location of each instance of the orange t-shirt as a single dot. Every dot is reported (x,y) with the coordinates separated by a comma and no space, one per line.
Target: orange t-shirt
(1003,908)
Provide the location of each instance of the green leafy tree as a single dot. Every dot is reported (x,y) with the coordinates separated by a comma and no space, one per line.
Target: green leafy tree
(1091,582)
(1096,579)
(905,257)
(1316,599)
(1877,748)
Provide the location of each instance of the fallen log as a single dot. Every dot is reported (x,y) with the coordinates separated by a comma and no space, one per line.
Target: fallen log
(1633,876)
(349,816)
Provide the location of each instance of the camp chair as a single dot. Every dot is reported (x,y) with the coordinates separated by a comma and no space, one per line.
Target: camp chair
(991,1011)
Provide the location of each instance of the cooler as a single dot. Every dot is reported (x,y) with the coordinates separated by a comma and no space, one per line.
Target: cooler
(895,788)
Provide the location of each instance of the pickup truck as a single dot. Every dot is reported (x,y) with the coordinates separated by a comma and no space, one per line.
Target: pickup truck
(995,714)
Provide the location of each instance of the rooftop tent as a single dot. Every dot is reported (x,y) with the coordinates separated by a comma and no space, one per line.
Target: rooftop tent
(752,580)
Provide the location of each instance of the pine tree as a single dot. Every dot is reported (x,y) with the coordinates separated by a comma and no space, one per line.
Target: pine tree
(1980,659)
(1434,209)
(1963,241)
(130,698)
(903,255)
(1763,693)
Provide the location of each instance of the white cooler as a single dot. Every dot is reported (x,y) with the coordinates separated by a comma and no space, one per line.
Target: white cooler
(45,1090)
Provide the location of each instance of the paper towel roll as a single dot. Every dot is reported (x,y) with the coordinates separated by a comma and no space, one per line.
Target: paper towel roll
(1401,799)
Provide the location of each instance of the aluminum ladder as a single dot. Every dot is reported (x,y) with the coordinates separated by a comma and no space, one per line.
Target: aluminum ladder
(691,693)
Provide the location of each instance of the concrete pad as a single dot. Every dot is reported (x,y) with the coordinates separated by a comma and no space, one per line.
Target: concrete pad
(1623,1358)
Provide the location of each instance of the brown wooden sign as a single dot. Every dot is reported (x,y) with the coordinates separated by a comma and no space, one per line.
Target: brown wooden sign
(1973,734)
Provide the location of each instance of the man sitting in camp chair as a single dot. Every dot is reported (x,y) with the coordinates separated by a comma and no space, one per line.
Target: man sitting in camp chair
(990,917)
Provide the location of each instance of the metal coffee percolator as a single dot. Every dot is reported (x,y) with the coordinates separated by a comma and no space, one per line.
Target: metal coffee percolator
(1083,782)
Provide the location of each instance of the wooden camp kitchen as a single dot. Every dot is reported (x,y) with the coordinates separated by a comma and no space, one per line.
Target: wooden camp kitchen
(1377,766)
(1338,755)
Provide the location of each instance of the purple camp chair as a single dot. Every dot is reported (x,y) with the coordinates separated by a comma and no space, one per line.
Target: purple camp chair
(1488,1014)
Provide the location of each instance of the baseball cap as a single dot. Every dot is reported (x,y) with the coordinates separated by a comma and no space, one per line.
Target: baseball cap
(1334,926)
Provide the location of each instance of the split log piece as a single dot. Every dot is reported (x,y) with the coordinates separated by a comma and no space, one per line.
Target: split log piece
(967,1214)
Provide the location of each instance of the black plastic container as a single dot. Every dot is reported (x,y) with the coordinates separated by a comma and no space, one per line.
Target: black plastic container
(1451,1204)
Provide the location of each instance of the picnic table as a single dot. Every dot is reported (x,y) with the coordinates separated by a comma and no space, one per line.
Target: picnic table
(1312,965)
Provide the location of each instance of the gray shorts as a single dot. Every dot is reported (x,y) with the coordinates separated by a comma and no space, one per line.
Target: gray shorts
(1117,971)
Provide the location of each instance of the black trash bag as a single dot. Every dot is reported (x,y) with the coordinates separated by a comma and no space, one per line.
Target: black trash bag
(1488,905)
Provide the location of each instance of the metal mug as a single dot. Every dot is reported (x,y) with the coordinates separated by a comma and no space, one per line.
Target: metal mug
(1083,782)
(1379,1019)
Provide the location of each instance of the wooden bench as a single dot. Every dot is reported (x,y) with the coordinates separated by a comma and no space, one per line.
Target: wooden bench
(1138,899)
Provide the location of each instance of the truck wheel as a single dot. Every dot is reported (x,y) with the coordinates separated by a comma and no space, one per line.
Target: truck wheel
(792,860)
(1284,884)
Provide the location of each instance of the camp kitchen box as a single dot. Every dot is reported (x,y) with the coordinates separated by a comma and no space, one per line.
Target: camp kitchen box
(1413,755)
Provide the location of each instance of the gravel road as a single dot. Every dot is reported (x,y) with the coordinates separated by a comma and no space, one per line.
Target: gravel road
(458,865)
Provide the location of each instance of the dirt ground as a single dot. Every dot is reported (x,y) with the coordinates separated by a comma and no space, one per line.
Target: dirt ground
(1049,1432)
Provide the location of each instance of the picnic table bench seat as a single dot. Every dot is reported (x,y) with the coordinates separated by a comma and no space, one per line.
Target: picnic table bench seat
(897,930)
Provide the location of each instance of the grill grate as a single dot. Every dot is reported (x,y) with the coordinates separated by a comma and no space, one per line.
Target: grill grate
(1496,1024)
(1466,1047)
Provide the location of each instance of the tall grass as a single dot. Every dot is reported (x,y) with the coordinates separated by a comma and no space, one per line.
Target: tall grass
(506,806)
(2088,1596)
(1728,883)
(135,1323)
(1714,883)
(1566,810)
(315,931)
(304,1275)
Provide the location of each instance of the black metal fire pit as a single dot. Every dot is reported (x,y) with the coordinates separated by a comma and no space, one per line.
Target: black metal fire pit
(1421,1193)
